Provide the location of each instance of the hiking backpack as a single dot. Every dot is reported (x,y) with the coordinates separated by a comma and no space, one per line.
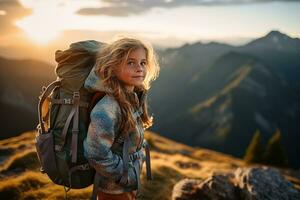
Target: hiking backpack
(64,115)
(63,111)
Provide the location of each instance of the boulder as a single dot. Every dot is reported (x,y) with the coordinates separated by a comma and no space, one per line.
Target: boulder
(252,183)
(264,183)
(186,189)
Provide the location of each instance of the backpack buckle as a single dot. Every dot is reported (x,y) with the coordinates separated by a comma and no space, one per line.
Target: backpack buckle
(76,94)
(76,97)
(67,101)
(39,129)
(42,170)
(134,156)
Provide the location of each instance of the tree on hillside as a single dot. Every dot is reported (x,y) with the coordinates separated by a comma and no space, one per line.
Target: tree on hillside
(254,151)
(275,154)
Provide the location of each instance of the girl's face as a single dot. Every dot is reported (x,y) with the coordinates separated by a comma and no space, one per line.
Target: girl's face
(132,73)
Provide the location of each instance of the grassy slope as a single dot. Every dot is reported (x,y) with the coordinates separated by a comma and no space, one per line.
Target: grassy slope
(171,161)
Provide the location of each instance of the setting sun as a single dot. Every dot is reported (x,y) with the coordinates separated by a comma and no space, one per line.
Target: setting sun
(46,22)
(43,25)
(38,31)
(50,18)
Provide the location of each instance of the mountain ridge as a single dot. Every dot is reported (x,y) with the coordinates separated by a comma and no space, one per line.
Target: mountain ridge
(272,89)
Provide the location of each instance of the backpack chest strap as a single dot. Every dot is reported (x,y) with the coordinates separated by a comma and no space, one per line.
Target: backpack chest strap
(68,102)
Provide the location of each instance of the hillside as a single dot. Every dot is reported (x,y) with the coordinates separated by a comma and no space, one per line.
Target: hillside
(171,161)
(21,82)
(220,102)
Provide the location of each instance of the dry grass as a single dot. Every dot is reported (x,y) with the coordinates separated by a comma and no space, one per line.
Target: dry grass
(160,188)
(12,146)
(14,187)
(170,161)
(21,161)
(34,185)
(22,141)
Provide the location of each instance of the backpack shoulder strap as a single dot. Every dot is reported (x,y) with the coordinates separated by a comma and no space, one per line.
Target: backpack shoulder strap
(96,97)
(95,186)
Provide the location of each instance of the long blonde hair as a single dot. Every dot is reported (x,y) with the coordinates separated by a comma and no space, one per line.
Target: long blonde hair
(113,55)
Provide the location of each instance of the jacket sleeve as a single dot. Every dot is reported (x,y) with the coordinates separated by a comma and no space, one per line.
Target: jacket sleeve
(100,137)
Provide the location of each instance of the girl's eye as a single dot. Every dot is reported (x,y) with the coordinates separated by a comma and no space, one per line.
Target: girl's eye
(130,63)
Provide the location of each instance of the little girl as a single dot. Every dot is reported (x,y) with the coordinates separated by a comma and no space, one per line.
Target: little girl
(124,70)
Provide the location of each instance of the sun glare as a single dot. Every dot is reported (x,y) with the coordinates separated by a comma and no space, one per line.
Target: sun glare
(37,30)
(50,18)
(43,25)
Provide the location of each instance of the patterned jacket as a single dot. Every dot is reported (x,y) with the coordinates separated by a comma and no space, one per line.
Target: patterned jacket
(103,148)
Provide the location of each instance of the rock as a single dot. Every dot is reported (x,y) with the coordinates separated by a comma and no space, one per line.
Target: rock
(256,183)
(185,152)
(185,189)
(186,165)
(218,187)
(264,183)
(215,187)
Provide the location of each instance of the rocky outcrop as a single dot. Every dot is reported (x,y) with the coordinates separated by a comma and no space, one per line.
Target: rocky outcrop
(255,183)
(186,189)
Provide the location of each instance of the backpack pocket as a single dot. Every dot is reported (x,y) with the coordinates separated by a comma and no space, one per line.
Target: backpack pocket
(46,154)
(56,164)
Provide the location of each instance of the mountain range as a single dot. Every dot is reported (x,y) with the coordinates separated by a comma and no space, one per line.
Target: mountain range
(211,95)
(216,96)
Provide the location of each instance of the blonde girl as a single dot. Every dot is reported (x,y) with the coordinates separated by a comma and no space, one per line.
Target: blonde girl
(115,141)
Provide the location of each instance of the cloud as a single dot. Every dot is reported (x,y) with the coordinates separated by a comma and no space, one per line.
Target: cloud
(11,10)
(122,8)
(120,11)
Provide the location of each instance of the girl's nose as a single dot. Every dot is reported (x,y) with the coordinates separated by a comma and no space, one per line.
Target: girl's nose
(139,67)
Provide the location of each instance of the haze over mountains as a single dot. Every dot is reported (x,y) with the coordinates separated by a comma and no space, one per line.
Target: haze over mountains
(217,95)
(21,82)
(210,95)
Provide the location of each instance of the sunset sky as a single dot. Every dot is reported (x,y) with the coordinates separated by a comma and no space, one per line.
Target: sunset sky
(163,22)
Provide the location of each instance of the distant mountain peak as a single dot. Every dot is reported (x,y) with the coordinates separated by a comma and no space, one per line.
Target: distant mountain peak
(188,45)
(275,36)
(275,40)
(275,33)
